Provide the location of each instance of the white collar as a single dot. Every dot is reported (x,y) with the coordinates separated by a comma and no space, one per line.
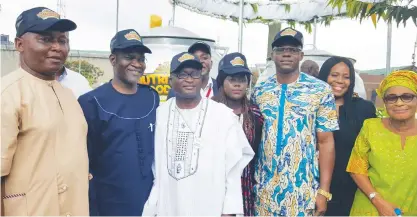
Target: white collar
(209,84)
(63,75)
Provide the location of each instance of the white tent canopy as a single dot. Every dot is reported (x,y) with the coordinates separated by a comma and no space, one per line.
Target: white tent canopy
(263,10)
(277,10)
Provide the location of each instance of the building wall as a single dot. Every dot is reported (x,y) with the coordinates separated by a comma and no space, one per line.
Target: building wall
(10,62)
(372,83)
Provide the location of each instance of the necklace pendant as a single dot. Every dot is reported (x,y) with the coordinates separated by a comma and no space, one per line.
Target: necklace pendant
(179,168)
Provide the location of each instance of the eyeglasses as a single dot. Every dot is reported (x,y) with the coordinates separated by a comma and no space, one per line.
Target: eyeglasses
(237,79)
(184,75)
(406,98)
(291,50)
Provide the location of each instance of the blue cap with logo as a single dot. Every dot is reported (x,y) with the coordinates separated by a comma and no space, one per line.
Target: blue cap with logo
(128,38)
(234,63)
(41,19)
(185,59)
(200,45)
(288,35)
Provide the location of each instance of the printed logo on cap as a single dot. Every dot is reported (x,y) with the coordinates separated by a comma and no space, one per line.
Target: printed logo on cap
(132,35)
(290,32)
(185,57)
(46,14)
(237,61)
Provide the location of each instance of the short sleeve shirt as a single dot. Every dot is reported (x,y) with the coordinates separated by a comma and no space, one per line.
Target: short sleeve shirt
(287,172)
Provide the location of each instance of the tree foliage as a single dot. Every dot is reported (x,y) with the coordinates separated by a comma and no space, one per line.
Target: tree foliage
(88,70)
(394,11)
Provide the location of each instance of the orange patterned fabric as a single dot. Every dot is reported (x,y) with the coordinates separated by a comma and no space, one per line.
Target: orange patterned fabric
(402,78)
(358,162)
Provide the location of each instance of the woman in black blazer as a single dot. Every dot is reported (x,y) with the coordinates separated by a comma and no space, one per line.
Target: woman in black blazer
(352,110)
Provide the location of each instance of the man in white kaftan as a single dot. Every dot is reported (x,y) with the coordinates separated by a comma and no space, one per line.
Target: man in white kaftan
(200,151)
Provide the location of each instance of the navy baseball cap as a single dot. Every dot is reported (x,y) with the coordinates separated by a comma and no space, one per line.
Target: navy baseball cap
(41,19)
(184,59)
(288,35)
(199,45)
(128,38)
(234,63)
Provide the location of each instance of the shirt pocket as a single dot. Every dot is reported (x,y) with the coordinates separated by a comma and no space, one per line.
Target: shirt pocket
(15,205)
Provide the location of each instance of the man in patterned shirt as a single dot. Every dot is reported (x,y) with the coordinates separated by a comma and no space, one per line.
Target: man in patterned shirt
(300,116)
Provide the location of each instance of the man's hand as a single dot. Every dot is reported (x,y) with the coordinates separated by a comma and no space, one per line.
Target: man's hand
(321,205)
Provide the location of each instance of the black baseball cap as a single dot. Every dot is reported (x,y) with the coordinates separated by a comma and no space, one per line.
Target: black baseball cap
(234,63)
(128,38)
(200,45)
(184,59)
(41,19)
(288,35)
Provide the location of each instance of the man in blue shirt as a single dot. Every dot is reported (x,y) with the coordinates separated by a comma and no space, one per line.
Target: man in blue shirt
(121,119)
(296,154)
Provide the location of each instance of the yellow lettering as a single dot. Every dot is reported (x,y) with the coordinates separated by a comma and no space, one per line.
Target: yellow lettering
(162,89)
(153,80)
(163,79)
(159,82)
(158,79)
(144,80)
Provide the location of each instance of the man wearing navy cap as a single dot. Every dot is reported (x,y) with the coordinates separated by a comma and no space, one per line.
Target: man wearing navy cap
(44,162)
(121,124)
(203,51)
(198,162)
(296,155)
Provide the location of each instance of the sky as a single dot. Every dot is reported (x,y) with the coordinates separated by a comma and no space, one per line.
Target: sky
(96,20)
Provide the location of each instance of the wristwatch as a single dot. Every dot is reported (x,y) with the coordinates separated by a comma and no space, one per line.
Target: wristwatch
(326,194)
(372,195)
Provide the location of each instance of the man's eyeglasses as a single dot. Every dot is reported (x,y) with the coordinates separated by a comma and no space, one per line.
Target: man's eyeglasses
(406,98)
(184,75)
(291,50)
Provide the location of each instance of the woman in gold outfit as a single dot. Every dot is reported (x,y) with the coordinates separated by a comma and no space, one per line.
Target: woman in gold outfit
(383,162)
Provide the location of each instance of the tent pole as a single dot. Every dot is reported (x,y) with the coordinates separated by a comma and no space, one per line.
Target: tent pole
(173,13)
(388,58)
(315,34)
(117,16)
(240,41)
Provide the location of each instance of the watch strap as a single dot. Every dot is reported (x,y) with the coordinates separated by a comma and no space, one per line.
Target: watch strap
(326,194)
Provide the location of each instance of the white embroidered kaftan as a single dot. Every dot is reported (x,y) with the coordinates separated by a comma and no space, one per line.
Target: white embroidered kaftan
(200,155)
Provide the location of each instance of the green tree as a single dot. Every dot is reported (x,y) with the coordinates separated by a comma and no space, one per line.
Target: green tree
(88,70)
(394,11)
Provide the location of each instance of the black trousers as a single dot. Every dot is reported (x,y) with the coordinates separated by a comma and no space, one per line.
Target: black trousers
(339,208)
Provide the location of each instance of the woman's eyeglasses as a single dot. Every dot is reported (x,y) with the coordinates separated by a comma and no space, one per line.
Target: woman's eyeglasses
(406,98)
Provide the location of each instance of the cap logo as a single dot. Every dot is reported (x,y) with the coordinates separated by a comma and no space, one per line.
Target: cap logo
(132,35)
(290,32)
(237,61)
(46,14)
(185,57)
